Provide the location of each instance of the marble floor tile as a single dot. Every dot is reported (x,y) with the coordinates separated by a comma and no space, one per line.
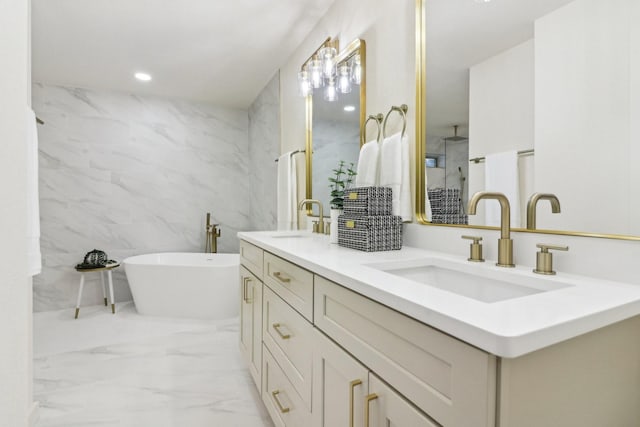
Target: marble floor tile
(131,370)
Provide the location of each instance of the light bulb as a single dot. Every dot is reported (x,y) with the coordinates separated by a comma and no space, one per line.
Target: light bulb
(344,83)
(328,55)
(304,85)
(330,92)
(356,70)
(315,73)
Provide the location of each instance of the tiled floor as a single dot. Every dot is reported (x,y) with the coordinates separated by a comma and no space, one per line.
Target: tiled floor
(131,370)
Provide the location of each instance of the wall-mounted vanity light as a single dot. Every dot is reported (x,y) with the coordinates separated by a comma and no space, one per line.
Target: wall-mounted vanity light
(329,70)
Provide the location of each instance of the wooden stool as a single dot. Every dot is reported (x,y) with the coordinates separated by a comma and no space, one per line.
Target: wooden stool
(101,270)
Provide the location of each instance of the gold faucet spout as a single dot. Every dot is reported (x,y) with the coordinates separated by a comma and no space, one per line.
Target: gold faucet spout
(505,210)
(532,204)
(505,244)
(320,213)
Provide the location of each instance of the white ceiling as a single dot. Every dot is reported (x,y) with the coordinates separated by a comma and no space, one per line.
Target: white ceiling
(462,33)
(218,51)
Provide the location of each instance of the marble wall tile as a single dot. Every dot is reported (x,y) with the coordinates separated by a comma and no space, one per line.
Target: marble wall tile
(134,174)
(264,148)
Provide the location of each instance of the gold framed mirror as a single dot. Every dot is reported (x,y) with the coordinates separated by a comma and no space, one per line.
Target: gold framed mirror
(556,82)
(333,127)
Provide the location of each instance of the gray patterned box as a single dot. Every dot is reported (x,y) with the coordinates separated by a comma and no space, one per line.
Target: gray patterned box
(367,201)
(370,233)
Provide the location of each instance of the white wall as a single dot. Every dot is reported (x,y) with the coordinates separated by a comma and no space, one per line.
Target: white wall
(586,113)
(388,28)
(264,148)
(15,288)
(129,175)
(501,106)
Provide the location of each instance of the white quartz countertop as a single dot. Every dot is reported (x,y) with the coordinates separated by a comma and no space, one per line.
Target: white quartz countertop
(508,328)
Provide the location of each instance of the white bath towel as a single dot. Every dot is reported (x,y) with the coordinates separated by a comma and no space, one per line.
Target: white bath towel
(34,261)
(395,173)
(287,192)
(501,175)
(368,165)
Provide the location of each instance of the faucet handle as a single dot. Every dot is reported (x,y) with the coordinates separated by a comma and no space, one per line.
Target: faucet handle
(475,249)
(544,258)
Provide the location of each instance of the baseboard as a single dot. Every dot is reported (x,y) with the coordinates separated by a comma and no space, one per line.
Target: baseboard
(34,414)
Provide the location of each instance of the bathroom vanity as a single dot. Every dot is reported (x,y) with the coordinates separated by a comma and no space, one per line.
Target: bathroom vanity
(336,337)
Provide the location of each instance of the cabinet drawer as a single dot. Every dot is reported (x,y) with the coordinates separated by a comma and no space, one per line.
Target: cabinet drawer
(292,283)
(251,257)
(283,403)
(289,338)
(451,381)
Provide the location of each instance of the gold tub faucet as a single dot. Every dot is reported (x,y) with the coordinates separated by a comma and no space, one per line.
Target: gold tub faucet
(213,232)
(505,243)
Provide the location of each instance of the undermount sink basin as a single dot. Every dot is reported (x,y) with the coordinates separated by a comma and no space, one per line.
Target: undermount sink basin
(288,234)
(480,282)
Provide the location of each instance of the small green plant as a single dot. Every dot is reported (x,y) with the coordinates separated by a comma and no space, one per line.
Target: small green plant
(340,181)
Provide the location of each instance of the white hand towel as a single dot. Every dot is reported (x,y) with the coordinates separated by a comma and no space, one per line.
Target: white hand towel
(34,261)
(287,192)
(395,173)
(368,165)
(501,175)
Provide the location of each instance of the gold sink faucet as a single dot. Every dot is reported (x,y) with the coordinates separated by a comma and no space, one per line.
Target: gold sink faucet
(505,243)
(321,219)
(531,207)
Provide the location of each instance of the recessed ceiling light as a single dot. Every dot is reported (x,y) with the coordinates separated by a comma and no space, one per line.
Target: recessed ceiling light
(349,108)
(143,77)
(482,1)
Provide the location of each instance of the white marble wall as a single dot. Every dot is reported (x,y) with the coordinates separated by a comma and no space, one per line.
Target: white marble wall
(264,148)
(129,175)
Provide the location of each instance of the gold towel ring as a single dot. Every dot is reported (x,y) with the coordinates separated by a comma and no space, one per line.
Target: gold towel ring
(403,112)
(378,119)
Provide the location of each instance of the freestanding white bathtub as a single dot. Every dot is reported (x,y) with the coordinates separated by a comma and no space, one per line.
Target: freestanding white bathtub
(196,285)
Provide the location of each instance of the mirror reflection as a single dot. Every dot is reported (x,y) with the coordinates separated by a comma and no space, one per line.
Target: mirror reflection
(336,137)
(541,97)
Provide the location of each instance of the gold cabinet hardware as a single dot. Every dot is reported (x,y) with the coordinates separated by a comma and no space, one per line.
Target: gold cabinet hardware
(245,292)
(282,409)
(475,249)
(278,275)
(277,327)
(544,258)
(368,400)
(352,385)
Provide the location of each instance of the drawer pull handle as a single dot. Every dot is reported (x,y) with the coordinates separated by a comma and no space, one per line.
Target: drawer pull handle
(245,292)
(280,407)
(278,276)
(352,385)
(368,400)
(277,326)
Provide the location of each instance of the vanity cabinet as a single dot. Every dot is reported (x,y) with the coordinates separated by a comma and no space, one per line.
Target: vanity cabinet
(327,355)
(251,309)
(452,382)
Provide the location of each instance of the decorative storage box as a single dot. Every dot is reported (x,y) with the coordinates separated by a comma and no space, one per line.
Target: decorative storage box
(367,201)
(370,233)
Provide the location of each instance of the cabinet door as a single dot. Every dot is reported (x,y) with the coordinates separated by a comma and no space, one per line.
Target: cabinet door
(385,407)
(339,385)
(251,323)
